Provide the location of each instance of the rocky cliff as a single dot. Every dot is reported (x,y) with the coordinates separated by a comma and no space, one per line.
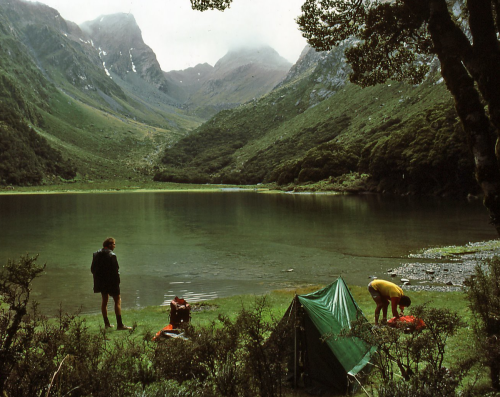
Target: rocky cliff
(122,50)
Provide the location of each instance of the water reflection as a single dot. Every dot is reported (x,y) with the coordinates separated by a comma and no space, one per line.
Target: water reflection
(203,245)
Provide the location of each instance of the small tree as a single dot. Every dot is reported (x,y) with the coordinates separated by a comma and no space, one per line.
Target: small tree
(483,293)
(412,363)
(16,331)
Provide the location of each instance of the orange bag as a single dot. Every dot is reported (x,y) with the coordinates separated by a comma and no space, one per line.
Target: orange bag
(408,323)
(159,334)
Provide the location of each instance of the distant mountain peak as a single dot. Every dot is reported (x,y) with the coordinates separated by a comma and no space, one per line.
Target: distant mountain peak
(122,48)
(263,55)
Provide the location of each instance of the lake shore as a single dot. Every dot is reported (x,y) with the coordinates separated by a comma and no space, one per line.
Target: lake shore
(154,187)
(444,269)
(125,186)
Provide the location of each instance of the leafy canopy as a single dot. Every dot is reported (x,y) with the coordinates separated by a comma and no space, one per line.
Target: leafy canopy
(388,38)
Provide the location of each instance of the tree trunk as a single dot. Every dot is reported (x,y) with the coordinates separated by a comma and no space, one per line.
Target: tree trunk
(446,35)
(483,62)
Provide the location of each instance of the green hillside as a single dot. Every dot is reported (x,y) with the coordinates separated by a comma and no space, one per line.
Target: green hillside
(393,137)
(25,157)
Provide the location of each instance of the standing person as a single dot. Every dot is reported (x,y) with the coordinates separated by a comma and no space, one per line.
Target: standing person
(384,291)
(107,281)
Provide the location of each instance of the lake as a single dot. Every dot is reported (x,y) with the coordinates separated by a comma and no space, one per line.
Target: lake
(202,245)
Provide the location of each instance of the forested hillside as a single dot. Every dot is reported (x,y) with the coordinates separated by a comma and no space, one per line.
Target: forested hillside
(316,126)
(26,158)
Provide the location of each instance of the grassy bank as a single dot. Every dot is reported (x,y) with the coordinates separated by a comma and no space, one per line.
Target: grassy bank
(152,319)
(121,186)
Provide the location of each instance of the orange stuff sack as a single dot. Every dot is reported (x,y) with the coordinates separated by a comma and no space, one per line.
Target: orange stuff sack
(408,323)
(159,334)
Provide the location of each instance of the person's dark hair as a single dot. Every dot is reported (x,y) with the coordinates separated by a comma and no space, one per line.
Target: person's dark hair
(108,242)
(405,301)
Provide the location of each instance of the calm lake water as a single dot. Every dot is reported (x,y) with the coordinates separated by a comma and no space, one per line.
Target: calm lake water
(204,245)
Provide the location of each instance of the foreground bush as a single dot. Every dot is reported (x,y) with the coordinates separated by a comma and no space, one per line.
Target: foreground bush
(416,363)
(61,357)
(229,358)
(483,292)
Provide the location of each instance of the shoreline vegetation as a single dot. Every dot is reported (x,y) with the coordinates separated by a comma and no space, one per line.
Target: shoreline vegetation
(126,186)
(350,184)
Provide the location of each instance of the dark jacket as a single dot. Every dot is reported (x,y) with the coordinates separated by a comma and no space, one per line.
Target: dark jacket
(105,270)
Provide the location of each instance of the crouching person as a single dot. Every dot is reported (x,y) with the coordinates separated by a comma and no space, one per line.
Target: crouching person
(384,292)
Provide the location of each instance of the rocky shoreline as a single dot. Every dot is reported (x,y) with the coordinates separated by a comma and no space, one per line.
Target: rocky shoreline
(433,272)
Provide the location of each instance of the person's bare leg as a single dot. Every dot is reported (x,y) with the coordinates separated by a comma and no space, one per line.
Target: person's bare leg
(380,304)
(118,313)
(104,309)
(118,305)
(384,310)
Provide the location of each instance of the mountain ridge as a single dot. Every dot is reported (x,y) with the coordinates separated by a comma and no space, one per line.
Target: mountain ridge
(317,127)
(122,48)
(241,75)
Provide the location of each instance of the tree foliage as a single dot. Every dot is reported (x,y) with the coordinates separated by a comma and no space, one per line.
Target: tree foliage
(412,362)
(203,5)
(483,292)
(375,58)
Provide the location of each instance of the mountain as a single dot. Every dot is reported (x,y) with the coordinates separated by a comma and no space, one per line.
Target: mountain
(243,74)
(122,49)
(56,97)
(91,101)
(184,83)
(317,127)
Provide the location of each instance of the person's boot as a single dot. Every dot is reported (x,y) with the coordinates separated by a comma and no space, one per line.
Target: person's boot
(120,326)
(107,324)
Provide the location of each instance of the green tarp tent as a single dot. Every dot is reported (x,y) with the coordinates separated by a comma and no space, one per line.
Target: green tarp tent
(321,358)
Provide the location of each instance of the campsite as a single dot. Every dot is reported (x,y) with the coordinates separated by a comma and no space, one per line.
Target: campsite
(314,340)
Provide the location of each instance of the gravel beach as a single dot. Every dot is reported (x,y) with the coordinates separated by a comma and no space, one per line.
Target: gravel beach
(436,272)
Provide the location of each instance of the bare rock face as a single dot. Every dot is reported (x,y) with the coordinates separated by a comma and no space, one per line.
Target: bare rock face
(122,49)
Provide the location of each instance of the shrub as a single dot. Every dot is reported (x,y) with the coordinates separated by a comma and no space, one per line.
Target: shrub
(412,364)
(483,293)
(228,358)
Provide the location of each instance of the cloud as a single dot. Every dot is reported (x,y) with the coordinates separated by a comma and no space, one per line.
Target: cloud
(182,38)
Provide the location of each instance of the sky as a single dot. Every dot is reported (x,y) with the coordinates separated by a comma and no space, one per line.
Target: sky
(182,37)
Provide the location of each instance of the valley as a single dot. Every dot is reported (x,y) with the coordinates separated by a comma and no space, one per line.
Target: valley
(97,95)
